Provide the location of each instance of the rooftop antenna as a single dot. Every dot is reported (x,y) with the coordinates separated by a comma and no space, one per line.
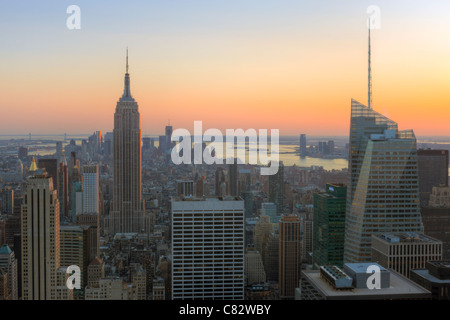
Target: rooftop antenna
(127,60)
(370,104)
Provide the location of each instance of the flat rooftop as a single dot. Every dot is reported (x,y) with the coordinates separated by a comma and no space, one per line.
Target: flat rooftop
(425,273)
(400,287)
(404,237)
(361,267)
(445,263)
(193,198)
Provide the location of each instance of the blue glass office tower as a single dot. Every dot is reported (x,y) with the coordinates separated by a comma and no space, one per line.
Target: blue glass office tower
(383,193)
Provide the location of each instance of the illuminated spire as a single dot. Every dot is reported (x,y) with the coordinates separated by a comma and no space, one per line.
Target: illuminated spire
(126,91)
(33,166)
(63,157)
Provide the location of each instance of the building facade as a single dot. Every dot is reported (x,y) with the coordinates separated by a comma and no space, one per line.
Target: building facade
(254,267)
(433,172)
(383,193)
(128,206)
(329,226)
(40,234)
(91,201)
(403,252)
(289,258)
(8,263)
(208,248)
(435,277)
(276,188)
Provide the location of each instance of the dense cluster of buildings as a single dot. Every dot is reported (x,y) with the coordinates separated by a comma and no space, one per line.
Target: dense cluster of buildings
(138,227)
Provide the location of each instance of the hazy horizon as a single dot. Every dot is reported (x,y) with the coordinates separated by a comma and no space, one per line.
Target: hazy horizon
(232,64)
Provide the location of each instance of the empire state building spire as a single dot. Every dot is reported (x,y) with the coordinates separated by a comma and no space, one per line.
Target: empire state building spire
(127,210)
(126,91)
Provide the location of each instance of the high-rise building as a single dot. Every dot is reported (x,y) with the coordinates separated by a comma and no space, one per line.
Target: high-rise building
(92,223)
(95,272)
(208,248)
(436,218)
(433,172)
(7,198)
(4,291)
(219,182)
(59,150)
(91,201)
(270,255)
(128,206)
(245,180)
(404,252)
(95,145)
(74,174)
(303,145)
(383,192)
(263,229)
(23,153)
(168,139)
(146,143)
(51,167)
(108,144)
(254,267)
(2,232)
(63,187)
(233,177)
(77,199)
(12,227)
(40,241)
(331,146)
(289,256)
(162,144)
(18,256)
(73,249)
(248,203)
(185,188)
(276,188)
(8,263)
(202,187)
(306,219)
(270,209)
(329,226)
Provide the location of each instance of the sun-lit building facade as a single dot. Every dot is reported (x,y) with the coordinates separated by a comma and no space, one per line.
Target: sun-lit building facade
(383,193)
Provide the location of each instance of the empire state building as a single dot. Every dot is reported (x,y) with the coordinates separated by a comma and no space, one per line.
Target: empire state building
(128,206)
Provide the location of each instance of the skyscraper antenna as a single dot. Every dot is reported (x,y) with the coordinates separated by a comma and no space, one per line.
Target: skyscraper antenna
(370,104)
(127,59)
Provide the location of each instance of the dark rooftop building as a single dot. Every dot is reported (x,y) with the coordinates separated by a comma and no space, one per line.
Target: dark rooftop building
(435,278)
(433,172)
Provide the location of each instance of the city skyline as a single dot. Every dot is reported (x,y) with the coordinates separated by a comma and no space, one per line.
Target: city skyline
(196,62)
(352,203)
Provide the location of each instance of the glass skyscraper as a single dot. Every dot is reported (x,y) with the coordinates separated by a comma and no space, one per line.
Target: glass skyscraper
(383,193)
(329,226)
(276,188)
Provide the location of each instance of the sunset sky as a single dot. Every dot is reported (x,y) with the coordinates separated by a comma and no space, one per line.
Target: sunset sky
(277,64)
